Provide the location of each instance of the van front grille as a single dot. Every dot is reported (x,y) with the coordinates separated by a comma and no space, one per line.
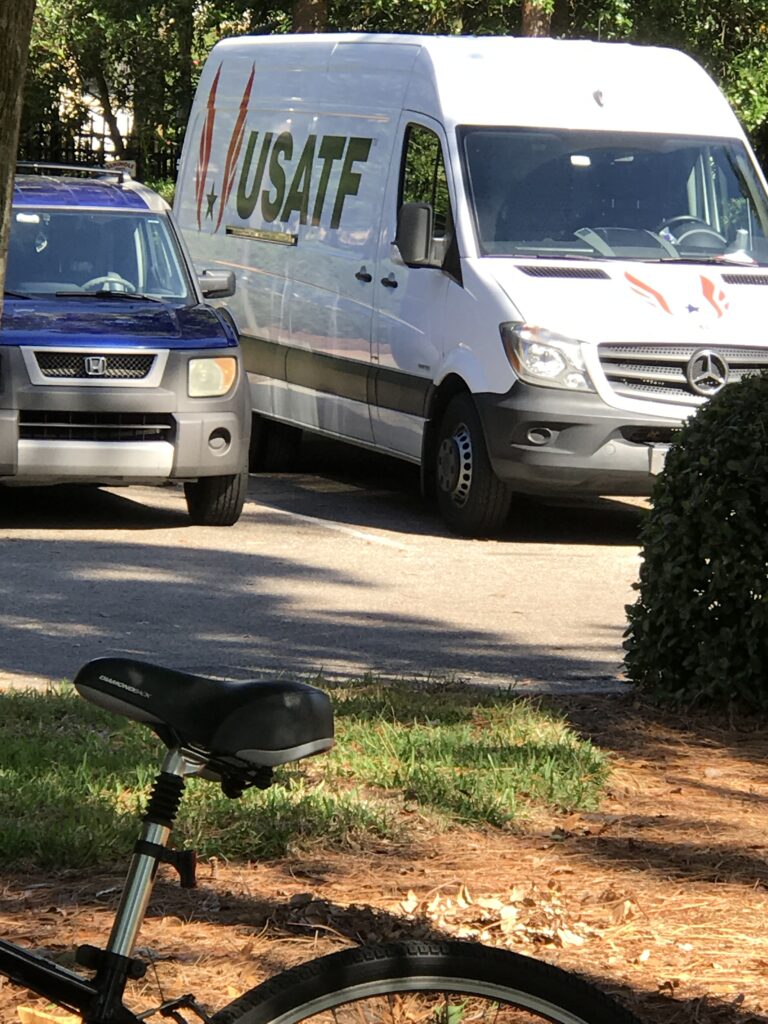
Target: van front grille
(52,425)
(659,371)
(94,365)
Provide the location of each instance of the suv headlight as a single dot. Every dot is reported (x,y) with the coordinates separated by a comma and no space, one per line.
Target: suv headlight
(211,377)
(542,357)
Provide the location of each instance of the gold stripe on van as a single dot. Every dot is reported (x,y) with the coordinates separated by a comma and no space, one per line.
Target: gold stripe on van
(258,235)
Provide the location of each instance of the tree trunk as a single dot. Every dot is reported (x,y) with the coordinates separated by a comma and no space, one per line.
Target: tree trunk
(561,18)
(309,15)
(15,30)
(536,18)
(109,114)
(185,32)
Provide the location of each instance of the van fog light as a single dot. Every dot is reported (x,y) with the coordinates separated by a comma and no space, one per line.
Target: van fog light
(220,440)
(211,377)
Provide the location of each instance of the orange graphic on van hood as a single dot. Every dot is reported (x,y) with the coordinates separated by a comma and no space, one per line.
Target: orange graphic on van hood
(712,291)
(716,298)
(641,288)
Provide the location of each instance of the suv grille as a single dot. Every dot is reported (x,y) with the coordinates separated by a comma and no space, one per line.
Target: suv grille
(658,371)
(51,425)
(110,366)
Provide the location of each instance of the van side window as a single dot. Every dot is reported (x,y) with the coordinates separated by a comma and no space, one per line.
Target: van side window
(424,181)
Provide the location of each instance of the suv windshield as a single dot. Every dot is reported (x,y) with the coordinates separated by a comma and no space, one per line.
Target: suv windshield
(93,251)
(553,192)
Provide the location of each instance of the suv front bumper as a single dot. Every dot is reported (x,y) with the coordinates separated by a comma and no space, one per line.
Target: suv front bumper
(112,433)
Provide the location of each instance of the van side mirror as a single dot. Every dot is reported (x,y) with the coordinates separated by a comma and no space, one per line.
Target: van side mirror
(216,284)
(414,234)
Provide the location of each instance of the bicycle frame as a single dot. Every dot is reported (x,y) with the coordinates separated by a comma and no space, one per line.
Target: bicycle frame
(100,1001)
(47,979)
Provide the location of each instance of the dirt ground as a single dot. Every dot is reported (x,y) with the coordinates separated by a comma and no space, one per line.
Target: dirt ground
(660,896)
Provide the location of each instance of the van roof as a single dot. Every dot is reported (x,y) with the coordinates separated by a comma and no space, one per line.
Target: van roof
(490,80)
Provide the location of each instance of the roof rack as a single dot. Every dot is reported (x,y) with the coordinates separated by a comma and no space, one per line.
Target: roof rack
(119,175)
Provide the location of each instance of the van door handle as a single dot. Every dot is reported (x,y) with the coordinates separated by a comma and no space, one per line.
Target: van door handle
(363,275)
(389,282)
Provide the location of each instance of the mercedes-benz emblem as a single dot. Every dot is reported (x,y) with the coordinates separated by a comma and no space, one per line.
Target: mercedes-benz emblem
(706,372)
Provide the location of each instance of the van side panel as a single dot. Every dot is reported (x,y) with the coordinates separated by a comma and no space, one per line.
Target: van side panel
(287,191)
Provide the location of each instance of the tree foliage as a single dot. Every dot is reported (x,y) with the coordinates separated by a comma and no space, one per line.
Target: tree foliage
(146,54)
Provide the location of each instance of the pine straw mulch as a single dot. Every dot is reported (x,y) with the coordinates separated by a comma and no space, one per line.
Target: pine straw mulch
(660,896)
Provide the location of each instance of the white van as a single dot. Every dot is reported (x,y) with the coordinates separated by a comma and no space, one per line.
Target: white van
(518,263)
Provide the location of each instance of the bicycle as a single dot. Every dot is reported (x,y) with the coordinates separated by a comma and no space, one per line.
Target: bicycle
(236,734)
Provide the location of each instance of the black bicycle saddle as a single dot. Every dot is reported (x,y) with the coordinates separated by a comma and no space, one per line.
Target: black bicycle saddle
(256,723)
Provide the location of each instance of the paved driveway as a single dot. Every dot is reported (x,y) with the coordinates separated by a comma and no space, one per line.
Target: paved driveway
(337,567)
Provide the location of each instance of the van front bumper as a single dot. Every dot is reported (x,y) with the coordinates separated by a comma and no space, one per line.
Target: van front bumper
(544,441)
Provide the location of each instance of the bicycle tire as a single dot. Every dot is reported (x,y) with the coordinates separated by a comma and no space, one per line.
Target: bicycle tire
(403,977)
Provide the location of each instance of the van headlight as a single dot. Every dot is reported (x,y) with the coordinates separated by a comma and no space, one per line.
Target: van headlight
(211,377)
(542,357)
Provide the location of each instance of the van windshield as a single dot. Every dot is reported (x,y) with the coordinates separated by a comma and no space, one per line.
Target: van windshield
(94,251)
(584,194)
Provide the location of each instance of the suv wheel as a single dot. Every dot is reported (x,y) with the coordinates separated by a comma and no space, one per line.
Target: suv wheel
(216,500)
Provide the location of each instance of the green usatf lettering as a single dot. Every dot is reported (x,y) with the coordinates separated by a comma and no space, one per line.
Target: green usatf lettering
(331,149)
(298,193)
(349,183)
(246,198)
(265,182)
(270,207)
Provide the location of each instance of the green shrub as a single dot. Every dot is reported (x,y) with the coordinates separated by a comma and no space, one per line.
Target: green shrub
(699,629)
(165,187)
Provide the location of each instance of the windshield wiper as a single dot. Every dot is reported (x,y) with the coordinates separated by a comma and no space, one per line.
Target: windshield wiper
(723,259)
(133,296)
(16,295)
(550,255)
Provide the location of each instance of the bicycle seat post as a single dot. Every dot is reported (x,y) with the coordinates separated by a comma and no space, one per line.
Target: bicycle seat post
(114,965)
(158,822)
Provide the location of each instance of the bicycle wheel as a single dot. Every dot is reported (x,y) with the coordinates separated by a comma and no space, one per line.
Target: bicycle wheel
(424,983)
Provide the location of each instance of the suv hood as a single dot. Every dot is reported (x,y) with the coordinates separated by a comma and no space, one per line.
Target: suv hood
(76,322)
(623,301)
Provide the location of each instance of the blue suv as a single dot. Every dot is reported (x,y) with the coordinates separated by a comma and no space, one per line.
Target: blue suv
(113,370)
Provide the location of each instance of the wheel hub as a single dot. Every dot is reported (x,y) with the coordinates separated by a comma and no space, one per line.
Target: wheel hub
(454,465)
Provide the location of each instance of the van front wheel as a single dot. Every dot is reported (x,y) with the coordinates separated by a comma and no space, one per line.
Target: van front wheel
(216,500)
(471,498)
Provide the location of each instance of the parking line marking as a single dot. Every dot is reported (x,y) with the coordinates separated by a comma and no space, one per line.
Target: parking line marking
(330,524)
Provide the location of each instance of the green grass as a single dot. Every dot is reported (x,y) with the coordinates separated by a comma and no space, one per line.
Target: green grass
(73,778)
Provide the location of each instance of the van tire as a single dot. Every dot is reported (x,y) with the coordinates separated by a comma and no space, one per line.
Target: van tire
(471,498)
(216,500)
(274,447)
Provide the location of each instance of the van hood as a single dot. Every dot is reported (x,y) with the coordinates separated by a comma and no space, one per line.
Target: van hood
(76,322)
(612,301)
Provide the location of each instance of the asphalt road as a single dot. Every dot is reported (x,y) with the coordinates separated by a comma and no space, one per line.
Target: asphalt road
(338,567)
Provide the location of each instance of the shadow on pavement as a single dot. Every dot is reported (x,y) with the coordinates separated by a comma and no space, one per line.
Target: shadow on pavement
(345,484)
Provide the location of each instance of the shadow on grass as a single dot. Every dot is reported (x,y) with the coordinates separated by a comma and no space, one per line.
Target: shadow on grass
(703,815)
